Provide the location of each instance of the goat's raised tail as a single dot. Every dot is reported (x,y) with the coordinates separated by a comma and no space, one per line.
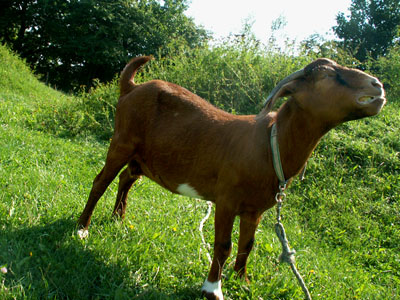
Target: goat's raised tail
(126,83)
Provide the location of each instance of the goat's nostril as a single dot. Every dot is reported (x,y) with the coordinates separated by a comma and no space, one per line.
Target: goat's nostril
(376,83)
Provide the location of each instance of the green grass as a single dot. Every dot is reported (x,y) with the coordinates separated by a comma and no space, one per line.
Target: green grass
(343,219)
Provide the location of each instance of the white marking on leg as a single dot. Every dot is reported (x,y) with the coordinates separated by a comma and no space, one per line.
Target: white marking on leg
(213,288)
(83,233)
(186,190)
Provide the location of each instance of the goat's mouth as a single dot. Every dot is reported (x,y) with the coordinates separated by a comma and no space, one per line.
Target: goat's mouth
(366,100)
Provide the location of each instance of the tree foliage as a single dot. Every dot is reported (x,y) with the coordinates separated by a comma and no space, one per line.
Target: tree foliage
(72,42)
(371,28)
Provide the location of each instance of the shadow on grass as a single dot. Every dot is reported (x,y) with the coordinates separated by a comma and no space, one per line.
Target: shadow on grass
(49,261)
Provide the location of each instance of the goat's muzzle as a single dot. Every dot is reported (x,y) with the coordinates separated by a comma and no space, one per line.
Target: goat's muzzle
(373,98)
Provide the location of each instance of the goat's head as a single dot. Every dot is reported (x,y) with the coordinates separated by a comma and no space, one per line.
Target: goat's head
(329,91)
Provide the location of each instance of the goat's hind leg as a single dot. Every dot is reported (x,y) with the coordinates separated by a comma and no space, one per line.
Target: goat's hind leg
(117,158)
(126,179)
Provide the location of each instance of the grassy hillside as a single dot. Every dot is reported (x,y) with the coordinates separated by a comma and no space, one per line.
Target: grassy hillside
(343,219)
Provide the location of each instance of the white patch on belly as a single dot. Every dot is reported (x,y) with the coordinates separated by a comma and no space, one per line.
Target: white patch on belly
(213,288)
(186,190)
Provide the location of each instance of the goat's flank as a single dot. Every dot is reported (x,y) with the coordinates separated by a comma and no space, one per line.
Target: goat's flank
(188,146)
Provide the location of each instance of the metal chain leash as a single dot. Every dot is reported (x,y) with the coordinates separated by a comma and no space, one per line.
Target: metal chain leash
(287,254)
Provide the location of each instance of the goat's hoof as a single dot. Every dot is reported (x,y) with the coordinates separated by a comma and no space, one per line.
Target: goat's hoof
(211,296)
(83,233)
(212,290)
(118,216)
(242,275)
(244,278)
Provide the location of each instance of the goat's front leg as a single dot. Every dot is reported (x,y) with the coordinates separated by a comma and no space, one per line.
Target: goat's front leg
(224,218)
(248,226)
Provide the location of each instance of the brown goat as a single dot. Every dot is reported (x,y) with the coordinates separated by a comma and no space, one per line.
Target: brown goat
(190,147)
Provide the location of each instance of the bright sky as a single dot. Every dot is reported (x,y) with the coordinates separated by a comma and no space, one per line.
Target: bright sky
(304,17)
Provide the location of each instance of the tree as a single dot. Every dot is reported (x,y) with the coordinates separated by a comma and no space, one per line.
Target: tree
(371,28)
(72,42)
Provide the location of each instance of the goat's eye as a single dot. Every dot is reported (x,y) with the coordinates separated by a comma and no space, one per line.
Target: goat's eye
(330,75)
(340,80)
(327,73)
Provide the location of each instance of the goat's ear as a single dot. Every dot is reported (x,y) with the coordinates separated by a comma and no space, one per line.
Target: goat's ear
(286,90)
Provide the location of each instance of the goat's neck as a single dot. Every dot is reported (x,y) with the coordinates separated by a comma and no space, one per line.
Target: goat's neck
(298,135)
